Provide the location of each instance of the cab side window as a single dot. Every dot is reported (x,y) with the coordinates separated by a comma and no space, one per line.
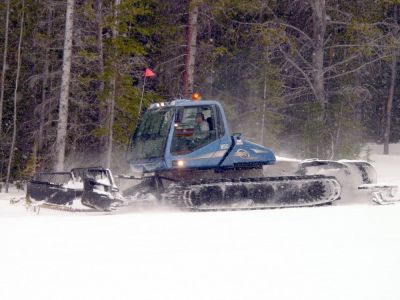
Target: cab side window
(195,130)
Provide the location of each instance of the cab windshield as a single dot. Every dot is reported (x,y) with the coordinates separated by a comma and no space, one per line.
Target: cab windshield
(151,135)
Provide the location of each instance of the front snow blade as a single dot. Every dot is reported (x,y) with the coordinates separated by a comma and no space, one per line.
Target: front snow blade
(52,188)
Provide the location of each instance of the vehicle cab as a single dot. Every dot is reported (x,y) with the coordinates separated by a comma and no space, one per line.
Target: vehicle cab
(188,134)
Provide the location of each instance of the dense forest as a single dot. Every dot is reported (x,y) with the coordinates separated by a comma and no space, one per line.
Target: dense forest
(309,78)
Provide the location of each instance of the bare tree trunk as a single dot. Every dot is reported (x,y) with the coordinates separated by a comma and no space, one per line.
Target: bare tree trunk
(65,80)
(99,21)
(318,38)
(190,58)
(319,28)
(14,137)
(111,123)
(3,72)
(51,103)
(263,110)
(104,109)
(389,104)
(111,100)
(45,80)
(335,144)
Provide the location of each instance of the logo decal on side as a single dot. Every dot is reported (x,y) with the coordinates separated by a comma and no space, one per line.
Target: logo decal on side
(242,153)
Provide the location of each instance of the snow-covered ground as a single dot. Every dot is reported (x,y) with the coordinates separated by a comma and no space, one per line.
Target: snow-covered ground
(333,252)
(387,166)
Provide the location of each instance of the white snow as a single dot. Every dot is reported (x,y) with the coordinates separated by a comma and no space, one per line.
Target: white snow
(333,252)
(78,185)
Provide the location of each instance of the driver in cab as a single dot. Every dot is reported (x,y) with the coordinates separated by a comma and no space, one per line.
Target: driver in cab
(201,123)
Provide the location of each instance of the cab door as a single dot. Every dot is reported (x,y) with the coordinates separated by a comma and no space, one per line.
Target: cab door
(195,140)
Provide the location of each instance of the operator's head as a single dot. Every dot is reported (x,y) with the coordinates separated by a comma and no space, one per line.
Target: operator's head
(199,118)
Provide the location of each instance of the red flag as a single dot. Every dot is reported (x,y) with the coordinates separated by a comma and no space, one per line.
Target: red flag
(149,73)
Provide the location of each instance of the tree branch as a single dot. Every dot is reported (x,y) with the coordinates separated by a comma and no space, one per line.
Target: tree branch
(300,70)
(358,68)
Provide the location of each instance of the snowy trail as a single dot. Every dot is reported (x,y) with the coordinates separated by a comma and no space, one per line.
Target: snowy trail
(318,253)
(333,252)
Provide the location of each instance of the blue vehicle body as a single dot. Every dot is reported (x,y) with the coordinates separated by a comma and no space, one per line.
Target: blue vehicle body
(227,151)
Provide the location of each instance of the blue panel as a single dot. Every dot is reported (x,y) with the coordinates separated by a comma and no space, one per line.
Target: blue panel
(246,152)
(205,157)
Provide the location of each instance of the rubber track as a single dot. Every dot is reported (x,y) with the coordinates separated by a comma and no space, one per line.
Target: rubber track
(178,195)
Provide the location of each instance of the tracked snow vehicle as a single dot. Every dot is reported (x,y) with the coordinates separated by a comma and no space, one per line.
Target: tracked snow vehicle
(184,155)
